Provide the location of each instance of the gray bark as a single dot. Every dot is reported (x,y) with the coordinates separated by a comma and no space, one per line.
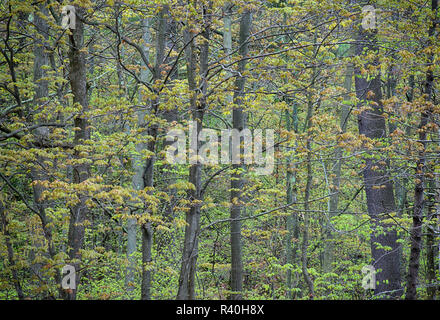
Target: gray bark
(41,134)
(329,246)
(147,231)
(138,166)
(11,259)
(419,190)
(78,80)
(237,179)
(292,223)
(190,248)
(378,186)
(227,39)
(430,241)
(305,239)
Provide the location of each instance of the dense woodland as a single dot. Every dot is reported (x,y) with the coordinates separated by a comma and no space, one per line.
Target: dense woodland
(87,102)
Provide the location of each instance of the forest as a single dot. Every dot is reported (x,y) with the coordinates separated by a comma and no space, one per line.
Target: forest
(219,150)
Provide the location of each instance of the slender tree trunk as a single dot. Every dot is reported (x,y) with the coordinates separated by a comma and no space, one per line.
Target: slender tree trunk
(419,190)
(41,61)
(292,221)
(138,166)
(378,186)
(237,180)
(401,186)
(11,259)
(147,231)
(186,279)
(430,241)
(437,217)
(171,114)
(416,229)
(329,245)
(186,289)
(305,240)
(227,39)
(78,81)
(291,197)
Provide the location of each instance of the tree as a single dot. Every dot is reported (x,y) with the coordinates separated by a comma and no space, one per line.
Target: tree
(86,114)
(378,186)
(78,83)
(419,190)
(237,181)
(197,105)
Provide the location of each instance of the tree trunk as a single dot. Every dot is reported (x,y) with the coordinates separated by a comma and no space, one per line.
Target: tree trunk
(237,180)
(147,231)
(227,40)
(11,259)
(291,197)
(419,190)
(378,186)
(41,61)
(437,217)
(81,173)
(329,245)
(138,166)
(186,289)
(305,240)
(416,228)
(430,241)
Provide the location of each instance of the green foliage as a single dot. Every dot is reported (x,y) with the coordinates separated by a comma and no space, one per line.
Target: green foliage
(300,55)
